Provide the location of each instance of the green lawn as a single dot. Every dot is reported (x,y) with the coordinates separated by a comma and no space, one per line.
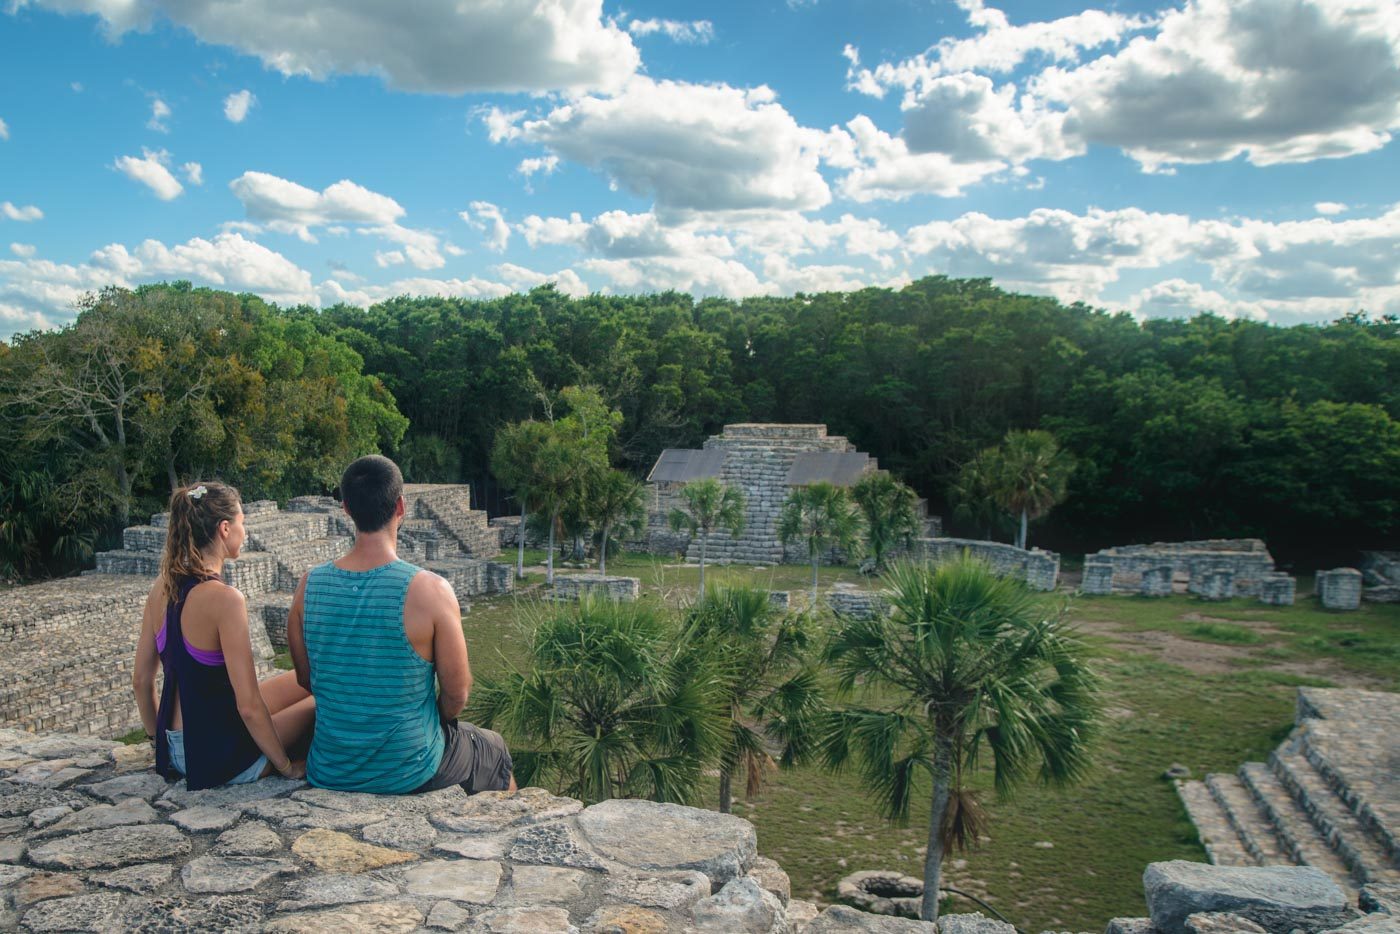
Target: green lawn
(1236,705)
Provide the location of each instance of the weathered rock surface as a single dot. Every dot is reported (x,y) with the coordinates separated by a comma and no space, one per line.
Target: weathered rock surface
(1216,922)
(973,924)
(111,848)
(669,836)
(1280,898)
(840,919)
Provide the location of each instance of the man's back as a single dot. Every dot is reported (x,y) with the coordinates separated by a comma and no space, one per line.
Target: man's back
(377,721)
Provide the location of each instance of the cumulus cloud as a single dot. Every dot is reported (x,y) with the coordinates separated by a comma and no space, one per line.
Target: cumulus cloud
(487,218)
(515,45)
(23,214)
(160,110)
(882,167)
(194,173)
(4,130)
(691,147)
(287,207)
(237,105)
(519,277)
(152,171)
(45,293)
(332,291)
(699,32)
(22,250)
(1177,298)
(542,165)
(1329,207)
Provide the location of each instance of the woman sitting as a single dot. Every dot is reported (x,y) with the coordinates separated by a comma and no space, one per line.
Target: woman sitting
(214,723)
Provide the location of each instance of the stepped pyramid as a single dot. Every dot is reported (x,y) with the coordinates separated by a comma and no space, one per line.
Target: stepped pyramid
(67,647)
(1329,796)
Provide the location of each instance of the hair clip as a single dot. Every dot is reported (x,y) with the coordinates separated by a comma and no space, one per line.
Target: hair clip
(198,492)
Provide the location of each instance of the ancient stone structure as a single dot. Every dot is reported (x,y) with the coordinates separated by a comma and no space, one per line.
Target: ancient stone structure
(1380,572)
(1339,589)
(1157,582)
(1278,589)
(766,462)
(67,646)
(1039,569)
(882,892)
(1200,565)
(850,600)
(574,586)
(1327,798)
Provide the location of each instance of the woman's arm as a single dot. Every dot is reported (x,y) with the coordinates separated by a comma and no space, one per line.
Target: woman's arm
(143,677)
(232,615)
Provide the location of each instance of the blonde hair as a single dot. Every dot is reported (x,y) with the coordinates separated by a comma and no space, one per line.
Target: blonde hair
(195,513)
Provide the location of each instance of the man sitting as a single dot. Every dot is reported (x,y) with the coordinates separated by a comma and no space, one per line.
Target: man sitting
(369,635)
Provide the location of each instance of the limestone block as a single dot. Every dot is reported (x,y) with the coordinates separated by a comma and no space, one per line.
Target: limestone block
(1157,582)
(574,586)
(840,919)
(1277,589)
(652,836)
(1215,584)
(1276,897)
(1339,589)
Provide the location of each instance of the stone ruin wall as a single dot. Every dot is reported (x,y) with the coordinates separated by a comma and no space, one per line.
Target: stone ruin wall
(1215,569)
(67,647)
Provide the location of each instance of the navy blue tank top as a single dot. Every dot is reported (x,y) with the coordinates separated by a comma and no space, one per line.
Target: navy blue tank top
(217,744)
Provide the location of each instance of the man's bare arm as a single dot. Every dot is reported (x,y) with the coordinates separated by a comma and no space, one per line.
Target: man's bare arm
(454,670)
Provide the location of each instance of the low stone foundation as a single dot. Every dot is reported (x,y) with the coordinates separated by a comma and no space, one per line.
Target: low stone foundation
(1123,569)
(574,586)
(1039,569)
(1278,589)
(849,600)
(1213,584)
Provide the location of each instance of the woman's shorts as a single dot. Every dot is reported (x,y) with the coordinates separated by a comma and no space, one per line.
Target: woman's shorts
(176,740)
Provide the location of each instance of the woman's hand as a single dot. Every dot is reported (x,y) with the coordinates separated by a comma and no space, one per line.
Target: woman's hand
(296,768)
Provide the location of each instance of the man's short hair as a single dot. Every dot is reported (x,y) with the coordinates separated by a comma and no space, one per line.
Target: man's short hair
(370,489)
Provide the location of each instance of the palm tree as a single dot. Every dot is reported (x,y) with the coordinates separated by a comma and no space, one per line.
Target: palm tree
(1030,476)
(611,702)
(890,511)
(972,493)
(966,662)
(561,468)
(515,462)
(823,516)
(770,689)
(615,501)
(709,505)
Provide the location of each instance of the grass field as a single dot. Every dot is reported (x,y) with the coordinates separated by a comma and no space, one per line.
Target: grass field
(1208,685)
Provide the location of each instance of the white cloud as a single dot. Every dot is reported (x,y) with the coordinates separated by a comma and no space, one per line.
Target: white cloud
(22,250)
(194,173)
(882,167)
(389,258)
(1177,298)
(519,277)
(331,291)
(708,275)
(23,214)
(543,165)
(151,170)
(487,218)
(160,110)
(237,105)
(1330,207)
(287,207)
(691,147)
(76,86)
(419,248)
(4,130)
(698,32)
(440,46)
(39,289)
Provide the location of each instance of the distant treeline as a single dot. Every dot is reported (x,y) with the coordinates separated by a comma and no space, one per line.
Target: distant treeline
(1180,428)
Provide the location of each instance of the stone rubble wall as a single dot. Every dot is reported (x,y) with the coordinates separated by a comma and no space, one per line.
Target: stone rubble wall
(92,840)
(70,645)
(575,586)
(850,601)
(1121,569)
(1380,576)
(1039,569)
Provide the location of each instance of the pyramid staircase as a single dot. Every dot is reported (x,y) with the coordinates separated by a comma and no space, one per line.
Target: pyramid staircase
(1329,796)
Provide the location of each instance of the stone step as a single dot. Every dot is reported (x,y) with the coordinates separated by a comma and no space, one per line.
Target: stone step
(146,538)
(1252,825)
(1300,838)
(285,529)
(1222,844)
(139,563)
(295,560)
(1314,740)
(1365,855)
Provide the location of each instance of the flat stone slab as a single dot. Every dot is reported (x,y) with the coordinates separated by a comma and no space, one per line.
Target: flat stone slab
(97,912)
(672,891)
(142,879)
(321,891)
(111,848)
(525,921)
(548,885)
(253,838)
(1276,897)
(646,835)
(205,875)
(839,919)
(741,907)
(405,832)
(144,785)
(204,819)
(462,880)
(332,851)
(494,811)
(364,918)
(552,845)
(127,812)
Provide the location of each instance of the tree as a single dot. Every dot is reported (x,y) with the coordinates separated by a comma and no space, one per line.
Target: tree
(1027,475)
(770,689)
(708,505)
(515,459)
(611,702)
(823,517)
(890,512)
(966,662)
(615,501)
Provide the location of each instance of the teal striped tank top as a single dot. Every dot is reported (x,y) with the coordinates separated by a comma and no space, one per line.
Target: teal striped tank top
(377,727)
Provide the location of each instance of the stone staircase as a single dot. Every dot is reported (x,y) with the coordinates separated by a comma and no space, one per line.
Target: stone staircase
(1329,796)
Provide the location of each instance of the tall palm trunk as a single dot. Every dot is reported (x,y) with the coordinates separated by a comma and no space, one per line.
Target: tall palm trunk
(933,862)
(704,547)
(520,547)
(603,552)
(816,563)
(726,793)
(1022,542)
(549,567)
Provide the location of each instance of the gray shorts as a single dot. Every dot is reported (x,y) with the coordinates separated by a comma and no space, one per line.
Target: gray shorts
(472,756)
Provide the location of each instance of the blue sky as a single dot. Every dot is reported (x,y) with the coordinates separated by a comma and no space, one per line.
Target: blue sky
(1234,156)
